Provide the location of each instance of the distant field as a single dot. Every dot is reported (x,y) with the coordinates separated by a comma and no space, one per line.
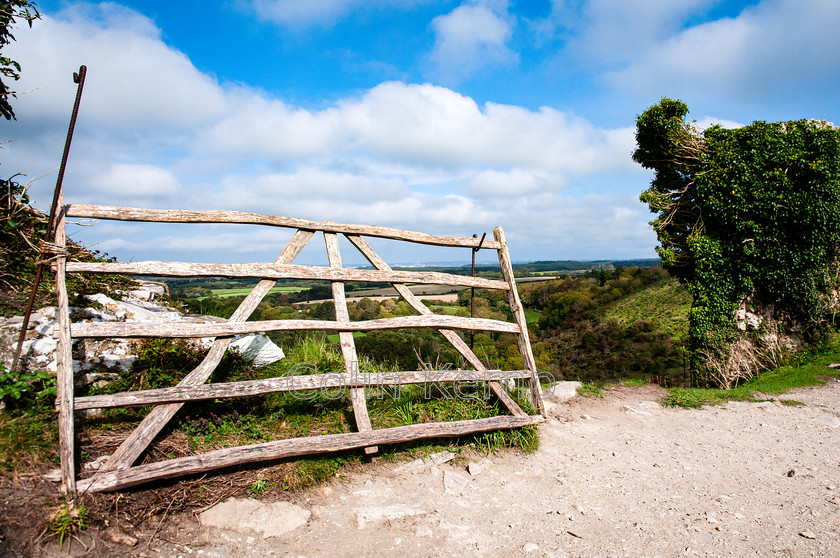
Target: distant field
(333,337)
(531,316)
(543,276)
(665,303)
(243,291)
(419,290)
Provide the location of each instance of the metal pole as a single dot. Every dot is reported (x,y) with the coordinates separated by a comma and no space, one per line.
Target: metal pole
(472,289)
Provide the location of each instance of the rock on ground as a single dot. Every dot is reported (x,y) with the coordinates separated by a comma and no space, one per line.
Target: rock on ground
(247,516)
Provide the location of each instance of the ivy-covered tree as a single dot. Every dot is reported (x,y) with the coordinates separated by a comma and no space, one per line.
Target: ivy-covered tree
(749,220)
(11,11)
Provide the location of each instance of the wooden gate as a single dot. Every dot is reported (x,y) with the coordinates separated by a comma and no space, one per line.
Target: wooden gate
(120,472)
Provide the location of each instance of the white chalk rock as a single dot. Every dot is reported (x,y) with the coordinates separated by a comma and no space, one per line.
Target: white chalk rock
(259,350)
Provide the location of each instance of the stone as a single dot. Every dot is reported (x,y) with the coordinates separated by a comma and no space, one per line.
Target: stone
(454,483)
(650,406)
(119,537)
(259,350)
(423,531)
(562,391)
(828,420)
(411,467)
(120,310)
(635,411)
(246,516)
(530,547)
(442,457)
(371,515)
(474,468)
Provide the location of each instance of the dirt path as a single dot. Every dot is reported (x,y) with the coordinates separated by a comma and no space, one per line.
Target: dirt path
(618,476)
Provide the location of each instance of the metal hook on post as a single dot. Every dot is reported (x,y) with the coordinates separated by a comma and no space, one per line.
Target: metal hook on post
(472,289)
(78,78)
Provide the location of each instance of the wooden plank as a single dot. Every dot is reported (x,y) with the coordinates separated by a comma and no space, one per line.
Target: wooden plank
(324,381)
(345,338)
(453,338)
(156,420)
(64,366)
(528,361)
(281,449)
(279,271)
(218,329)
(240,217)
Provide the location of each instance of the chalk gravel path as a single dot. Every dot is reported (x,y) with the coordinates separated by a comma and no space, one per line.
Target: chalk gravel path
(614,476)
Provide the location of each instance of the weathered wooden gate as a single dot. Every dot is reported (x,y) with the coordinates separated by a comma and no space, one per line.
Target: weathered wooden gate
(120,472)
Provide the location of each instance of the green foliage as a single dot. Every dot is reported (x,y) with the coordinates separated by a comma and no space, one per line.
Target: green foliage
(258,488)
(24,389)
(747,215)
(408,349)
(20,229)
(11,12)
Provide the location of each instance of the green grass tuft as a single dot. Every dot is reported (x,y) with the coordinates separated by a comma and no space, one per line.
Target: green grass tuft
(773,382)
(590,389)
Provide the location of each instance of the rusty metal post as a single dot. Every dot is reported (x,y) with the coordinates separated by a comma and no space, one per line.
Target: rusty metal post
(472,289)
(78,78)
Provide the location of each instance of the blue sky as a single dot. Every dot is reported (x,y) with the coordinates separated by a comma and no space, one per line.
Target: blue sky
(447,117)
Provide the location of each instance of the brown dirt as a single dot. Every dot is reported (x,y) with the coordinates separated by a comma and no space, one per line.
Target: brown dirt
(742,479)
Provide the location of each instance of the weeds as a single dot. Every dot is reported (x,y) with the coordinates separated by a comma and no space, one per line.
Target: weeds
(258,488)
(23,389)
(68,519)
(590,389)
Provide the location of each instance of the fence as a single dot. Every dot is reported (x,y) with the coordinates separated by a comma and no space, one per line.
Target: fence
(120,472)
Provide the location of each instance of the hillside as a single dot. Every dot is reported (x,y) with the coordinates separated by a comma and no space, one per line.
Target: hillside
(665,304)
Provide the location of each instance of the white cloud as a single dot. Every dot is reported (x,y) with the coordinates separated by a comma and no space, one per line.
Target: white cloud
(135,181)
(134,79)
(617,30)
(424,125)
(468,39)
(514,183)
(764,53)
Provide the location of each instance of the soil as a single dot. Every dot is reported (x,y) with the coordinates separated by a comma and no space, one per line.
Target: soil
(614,476)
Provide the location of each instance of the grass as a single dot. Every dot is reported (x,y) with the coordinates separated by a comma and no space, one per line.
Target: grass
(633,382)
(205,426)
(531,316)
(665,303)
(774,382)
(590,389)
(334,337)
(27,438)
(243,291)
